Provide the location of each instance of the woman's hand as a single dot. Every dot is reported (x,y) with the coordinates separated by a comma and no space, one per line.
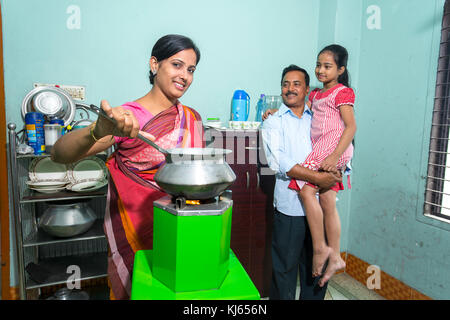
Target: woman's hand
(329,163)
(268,112)
(126,123)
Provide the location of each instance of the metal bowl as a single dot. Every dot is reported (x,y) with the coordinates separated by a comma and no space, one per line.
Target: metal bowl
(50,101)
(67,218)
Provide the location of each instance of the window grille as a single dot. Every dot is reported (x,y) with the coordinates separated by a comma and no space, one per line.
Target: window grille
(437,192)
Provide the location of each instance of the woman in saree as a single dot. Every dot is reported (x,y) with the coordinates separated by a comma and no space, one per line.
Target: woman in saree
(159,116)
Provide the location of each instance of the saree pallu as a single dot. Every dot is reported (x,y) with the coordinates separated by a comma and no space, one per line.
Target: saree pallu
(129,210)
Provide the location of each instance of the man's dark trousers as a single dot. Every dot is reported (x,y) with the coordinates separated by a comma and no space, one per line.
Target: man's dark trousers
(292,253)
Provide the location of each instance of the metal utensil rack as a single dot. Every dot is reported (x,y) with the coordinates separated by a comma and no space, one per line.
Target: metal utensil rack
(88,251)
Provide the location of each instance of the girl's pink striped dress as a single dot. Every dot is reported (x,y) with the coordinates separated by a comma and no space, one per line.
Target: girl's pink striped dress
(327,128)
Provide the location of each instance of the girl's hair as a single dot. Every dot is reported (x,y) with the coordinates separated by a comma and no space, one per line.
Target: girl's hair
(340,55)
(169,45)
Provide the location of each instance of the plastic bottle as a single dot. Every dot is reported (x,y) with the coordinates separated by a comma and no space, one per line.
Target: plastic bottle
(260,108)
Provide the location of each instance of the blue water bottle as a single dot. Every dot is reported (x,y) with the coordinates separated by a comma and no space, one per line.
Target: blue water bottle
(240,106)
(34,124)
(260,108)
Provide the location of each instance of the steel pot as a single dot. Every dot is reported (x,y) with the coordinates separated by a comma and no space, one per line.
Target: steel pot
(195,173)
(67,218)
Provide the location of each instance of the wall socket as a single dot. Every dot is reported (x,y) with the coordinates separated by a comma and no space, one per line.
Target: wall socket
(76,92)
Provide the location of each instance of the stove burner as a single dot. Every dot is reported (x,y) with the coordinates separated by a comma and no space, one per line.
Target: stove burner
(181,202)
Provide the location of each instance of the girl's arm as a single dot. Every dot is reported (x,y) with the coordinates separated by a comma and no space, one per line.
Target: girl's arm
(347,115)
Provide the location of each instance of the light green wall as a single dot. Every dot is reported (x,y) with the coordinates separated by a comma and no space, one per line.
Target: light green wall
(246,44)
(395,89)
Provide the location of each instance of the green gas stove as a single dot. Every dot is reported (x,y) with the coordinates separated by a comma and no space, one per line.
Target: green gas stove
(191,257)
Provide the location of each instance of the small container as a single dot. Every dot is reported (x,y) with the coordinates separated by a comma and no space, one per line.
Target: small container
(52,133)
(235,124)
(214,122)
(34,124)
(61,123)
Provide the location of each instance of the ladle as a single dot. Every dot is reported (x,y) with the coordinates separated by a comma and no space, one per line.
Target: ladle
(102,113)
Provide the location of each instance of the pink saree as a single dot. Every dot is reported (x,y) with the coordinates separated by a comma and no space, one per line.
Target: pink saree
(129,211)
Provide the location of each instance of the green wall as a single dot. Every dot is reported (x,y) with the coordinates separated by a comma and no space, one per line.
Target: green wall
(395,88)
(245,45)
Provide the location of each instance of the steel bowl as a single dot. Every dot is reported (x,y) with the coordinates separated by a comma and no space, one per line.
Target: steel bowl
(67,218)
(50,101)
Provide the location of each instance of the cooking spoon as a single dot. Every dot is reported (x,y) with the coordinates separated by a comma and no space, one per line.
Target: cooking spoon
(102,113)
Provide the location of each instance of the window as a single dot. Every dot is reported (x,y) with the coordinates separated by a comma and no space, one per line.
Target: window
(437,192)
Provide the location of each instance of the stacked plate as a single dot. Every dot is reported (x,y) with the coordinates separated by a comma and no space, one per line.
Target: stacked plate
(47,176)
(86,175)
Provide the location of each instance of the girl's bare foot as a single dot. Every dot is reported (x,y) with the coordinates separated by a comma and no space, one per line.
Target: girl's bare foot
(320,256)
(335,264)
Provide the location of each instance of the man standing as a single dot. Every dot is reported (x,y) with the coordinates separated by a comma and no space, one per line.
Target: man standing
(287,142)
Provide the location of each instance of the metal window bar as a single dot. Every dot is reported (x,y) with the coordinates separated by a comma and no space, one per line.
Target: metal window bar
(440,127)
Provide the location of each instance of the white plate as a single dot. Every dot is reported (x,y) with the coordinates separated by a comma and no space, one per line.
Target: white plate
(91,168)
(87,186)
(44,169)
(46,184)
(48,190)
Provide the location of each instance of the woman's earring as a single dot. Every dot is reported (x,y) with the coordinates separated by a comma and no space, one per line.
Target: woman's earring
(154,73)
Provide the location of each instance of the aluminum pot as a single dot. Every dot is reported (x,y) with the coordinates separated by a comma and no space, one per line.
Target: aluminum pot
(195,173)
(67,218)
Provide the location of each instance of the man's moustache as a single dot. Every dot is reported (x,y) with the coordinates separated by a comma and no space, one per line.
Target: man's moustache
(288,93)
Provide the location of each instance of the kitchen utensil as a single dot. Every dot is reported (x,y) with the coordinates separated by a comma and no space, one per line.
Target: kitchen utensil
(194,173)
(87,169)
(240,106)
(87,186)
(46,184)
(214,123)
(67,218)
(44,169)
(67,294)
(48,189)
(273,102)
(50,101)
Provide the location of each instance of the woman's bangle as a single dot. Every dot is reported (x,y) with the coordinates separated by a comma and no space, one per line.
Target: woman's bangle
(91,130)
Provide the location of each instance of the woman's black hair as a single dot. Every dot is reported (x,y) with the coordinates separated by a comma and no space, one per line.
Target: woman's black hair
(169,45)
(293,67)
(340,55)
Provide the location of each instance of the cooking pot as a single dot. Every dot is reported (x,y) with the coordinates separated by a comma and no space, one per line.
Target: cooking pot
(67,294)
(195,173)
(192,173)
(67,218)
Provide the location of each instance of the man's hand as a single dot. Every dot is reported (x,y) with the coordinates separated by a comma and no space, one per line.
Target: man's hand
(322,179)
(326,180)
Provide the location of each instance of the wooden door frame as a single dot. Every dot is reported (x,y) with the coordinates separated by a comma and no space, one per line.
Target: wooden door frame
(4,197)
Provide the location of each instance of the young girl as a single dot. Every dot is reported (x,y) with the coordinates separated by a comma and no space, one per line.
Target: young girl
(332,130)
